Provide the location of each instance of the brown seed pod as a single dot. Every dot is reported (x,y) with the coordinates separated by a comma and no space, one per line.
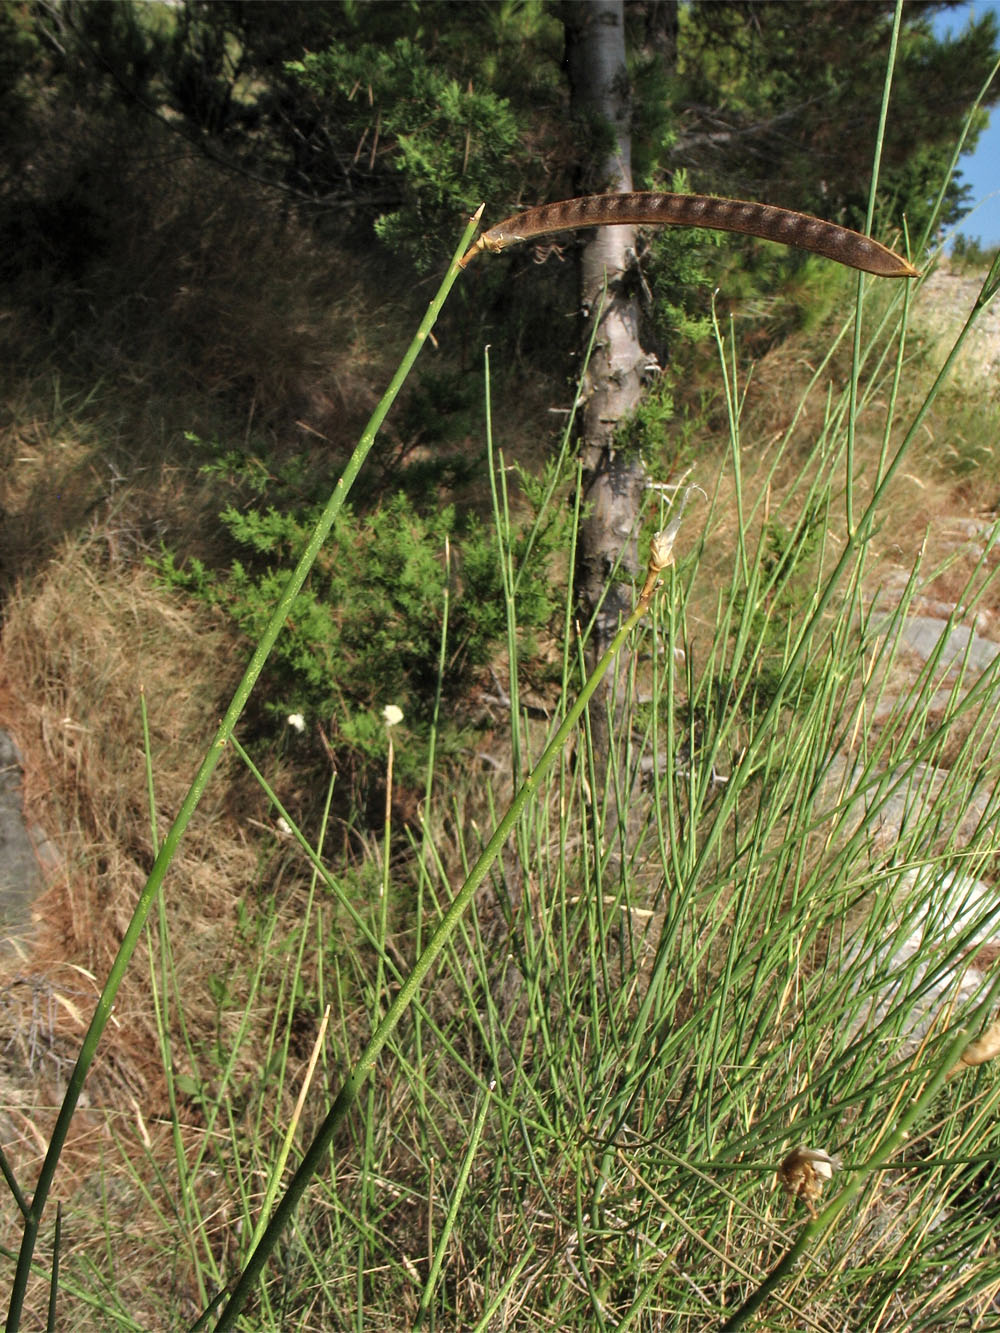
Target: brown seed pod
(639,207)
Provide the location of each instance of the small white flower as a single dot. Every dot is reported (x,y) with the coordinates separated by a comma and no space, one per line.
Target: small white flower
(284,828)
(296,721)
(391,715)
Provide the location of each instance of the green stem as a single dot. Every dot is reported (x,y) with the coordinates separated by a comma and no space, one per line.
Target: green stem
(814,1228)
(51,1324)
(317,1151)
(132,935)
(768,719)
(456,1202)
(852,411)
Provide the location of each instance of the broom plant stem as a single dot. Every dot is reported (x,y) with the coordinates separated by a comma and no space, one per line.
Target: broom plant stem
(171,842)
(316,1154)
(817,1226)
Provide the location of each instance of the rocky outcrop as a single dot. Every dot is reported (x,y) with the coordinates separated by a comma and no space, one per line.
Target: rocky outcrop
(21,873)
(939,938)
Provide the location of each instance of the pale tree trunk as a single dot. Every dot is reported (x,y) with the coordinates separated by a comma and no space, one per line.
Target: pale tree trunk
(599,90)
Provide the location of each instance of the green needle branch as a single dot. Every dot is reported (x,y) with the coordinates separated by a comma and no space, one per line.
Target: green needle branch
(817,1226)
(316,1155)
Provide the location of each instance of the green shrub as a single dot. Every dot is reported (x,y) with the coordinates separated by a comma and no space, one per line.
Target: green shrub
(969,255)
(448,143)
(366,629)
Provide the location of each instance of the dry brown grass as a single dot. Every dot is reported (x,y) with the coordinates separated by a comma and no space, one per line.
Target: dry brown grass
(210,313)
(81,641)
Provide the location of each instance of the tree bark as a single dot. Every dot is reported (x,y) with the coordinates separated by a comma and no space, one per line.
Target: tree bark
(599,93)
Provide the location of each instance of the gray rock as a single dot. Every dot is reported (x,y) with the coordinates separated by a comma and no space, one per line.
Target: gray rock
(940,938)
(21,877)
(921,635)
(891,802)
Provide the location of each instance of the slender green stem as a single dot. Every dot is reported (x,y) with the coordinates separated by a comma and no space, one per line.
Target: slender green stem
(316,1154)
(51,1324)
(147,897)
(933,223)
(852,412)
(816,1226)
(161,988)
(852,545)
(383,914)
(512,1279)
(456,1202)
(7,1171)
(423,879)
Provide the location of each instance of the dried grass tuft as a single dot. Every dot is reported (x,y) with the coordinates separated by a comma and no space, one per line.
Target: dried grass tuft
(81,641)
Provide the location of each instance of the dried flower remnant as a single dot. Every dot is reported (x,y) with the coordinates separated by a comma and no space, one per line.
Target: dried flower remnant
(804,1172)
(660,557)
(661,549)
(986,1047)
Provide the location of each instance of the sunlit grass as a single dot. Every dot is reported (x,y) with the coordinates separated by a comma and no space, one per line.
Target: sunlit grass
(558,1093)
(641,1020)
